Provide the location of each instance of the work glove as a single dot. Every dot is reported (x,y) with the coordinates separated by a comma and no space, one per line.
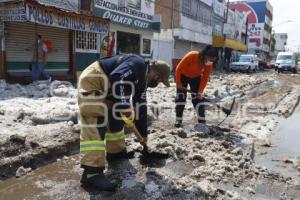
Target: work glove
(128,118)
(200,96)
(181,88)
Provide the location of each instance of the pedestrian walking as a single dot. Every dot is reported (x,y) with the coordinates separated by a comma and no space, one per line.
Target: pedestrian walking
(39,59)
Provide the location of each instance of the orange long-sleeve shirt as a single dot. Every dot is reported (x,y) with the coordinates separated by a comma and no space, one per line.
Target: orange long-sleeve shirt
(190,67)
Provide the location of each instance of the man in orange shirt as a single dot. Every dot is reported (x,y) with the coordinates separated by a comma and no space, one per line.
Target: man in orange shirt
(194,70)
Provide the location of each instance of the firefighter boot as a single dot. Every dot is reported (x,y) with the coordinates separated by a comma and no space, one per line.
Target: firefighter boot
(178,123)
(94,177)
(124,154)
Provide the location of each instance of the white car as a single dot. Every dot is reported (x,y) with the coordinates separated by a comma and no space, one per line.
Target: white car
(286,61)
(246,63)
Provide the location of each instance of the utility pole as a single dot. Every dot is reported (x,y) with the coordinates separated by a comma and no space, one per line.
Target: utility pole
(224,35)
(172,28)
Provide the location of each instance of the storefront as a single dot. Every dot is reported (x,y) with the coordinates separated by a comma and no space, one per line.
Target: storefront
(73,39)
(193,35)
(132,28)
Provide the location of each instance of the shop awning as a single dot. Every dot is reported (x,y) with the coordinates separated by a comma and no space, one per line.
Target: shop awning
(236,45)
(218,41)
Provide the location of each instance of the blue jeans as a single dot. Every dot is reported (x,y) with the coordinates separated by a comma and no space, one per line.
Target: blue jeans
(38,69)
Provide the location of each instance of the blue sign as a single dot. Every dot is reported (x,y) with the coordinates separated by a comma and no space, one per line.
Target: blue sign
(125,16)
(260,10)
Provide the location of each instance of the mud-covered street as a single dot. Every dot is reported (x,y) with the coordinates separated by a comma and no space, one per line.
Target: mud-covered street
(252,155)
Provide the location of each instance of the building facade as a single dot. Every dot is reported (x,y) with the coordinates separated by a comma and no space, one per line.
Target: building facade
(272,46)
(133,23)
(186,25)
(218,17)
(260,17)
(81,31)
(281,41)
(73,36)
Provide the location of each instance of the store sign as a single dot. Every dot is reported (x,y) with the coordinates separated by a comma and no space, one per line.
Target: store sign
(219,8)
(239,25)
(71,5)
(231,17)
(123,15)
(255,35)
(13,12)
(229,30)
(218,29)
(60,19)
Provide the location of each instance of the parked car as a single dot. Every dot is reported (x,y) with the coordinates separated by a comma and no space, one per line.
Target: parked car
(286,61)
(246,63)
(272,64)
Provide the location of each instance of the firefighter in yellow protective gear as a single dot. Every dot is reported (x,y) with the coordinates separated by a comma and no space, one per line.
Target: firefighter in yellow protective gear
(105,90)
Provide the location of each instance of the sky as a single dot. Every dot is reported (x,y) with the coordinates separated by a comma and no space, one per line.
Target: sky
(285,10)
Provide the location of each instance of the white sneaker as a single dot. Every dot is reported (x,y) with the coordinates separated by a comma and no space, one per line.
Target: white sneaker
(50,79)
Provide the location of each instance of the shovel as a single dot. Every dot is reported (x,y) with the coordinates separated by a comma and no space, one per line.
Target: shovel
(226,111)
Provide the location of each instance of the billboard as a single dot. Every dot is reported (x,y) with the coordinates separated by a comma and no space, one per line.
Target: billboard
(255,35)
(255,12)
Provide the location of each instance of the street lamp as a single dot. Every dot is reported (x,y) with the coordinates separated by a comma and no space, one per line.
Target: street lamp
(284,22)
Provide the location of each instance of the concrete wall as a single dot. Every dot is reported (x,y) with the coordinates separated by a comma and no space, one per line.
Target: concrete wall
(163,50)
(164,9)
(280,41)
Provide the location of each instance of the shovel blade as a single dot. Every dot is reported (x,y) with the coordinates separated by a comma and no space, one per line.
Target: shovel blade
(226,111)
(154,155)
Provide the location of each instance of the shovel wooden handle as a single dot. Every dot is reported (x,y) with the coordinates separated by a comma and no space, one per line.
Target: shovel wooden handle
(138,135)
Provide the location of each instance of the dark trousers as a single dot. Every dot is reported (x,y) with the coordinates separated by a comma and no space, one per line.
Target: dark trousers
(181,99)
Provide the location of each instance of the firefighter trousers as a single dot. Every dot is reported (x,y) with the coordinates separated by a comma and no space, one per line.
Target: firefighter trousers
(101,130)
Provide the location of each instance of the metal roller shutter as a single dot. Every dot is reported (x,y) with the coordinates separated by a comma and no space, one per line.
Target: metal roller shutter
(19,46)
(181,48)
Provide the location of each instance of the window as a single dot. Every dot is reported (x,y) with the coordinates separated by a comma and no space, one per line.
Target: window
(197,10)
(186,7)
(86,42)
(128,43)
(86,5)
(206,14)
(194,8)
(146,46)
(136,4)
(245,59)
